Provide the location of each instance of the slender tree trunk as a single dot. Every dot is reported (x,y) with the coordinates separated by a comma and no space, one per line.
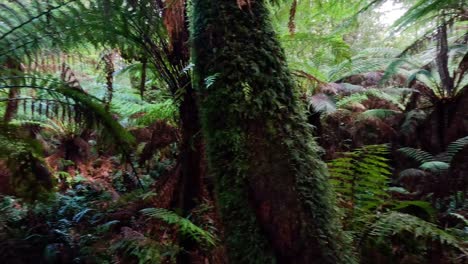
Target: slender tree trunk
(109,72)
(191,149)
(143,77)
(442,60)
(272,189)
(190,186)
(14,68)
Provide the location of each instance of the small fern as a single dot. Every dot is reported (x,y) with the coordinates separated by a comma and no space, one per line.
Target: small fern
(186,227)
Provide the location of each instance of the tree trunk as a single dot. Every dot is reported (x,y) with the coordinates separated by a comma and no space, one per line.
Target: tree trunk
(272,189)
(442,60)
(143,77)
(14,68)
(190,186)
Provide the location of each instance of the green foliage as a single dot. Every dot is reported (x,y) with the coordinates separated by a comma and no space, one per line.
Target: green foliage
(378,113)
(439,163)
(318,35)
(255,131)
(395,223)
(361,177)
(57,99)
(9,212)
(434,172)
(420,156)
(81,221)
(144,249)
(423,11)
(376,221)
(435,166)
(30,177)
(184,225)
(454,147)
(166,111)
(365,94)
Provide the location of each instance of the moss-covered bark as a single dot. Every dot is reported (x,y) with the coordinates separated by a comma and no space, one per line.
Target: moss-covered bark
(271,186)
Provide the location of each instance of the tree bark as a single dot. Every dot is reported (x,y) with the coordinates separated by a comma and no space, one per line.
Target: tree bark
(143,77)
(14,68)
(442,60)
(272,188)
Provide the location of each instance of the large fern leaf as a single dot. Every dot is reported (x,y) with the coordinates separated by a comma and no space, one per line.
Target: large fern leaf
(361,177)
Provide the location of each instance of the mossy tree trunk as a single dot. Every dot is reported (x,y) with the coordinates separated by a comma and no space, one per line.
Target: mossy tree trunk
(272,189)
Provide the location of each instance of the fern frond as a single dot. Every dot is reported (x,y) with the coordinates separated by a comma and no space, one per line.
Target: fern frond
(424,11)
(137,245)
(352,99)
(423,205)
(377,113)
(456,146)
(418,155)
(361,177)
(436,167)
(70,103)
(322,103)
(392,223)
(184,225)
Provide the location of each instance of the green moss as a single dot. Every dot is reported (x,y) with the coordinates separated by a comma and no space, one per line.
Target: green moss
(251,91)
(30,177)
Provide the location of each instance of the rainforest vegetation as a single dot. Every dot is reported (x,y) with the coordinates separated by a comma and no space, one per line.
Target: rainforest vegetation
(234,131)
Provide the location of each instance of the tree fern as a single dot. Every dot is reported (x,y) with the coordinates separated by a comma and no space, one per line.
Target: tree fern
(69,103)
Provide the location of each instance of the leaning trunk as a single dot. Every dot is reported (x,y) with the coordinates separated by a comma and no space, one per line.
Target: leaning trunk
(272,188)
